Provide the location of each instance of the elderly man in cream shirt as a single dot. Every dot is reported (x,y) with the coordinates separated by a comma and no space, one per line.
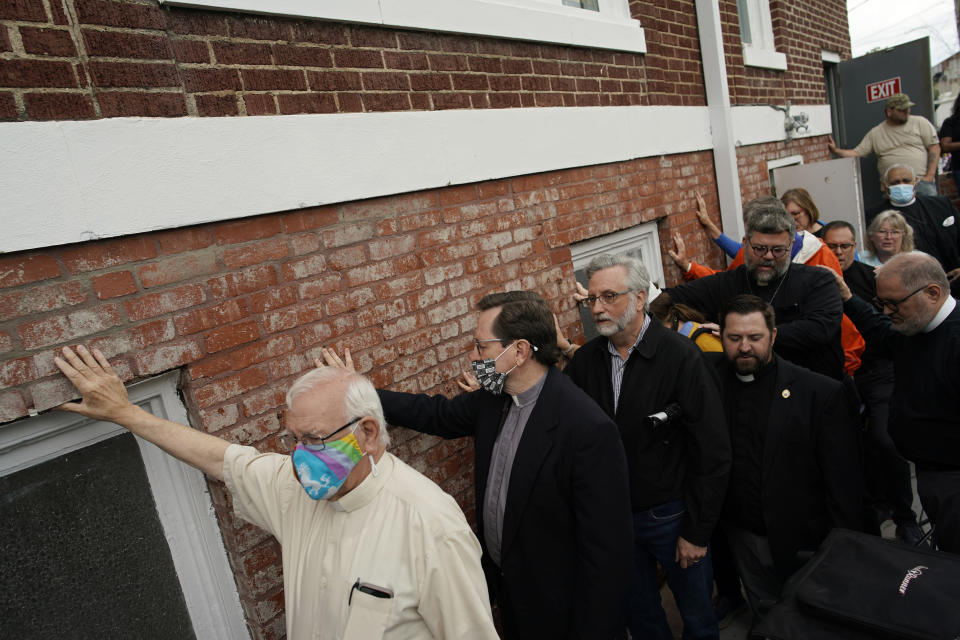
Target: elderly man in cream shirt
(371,548)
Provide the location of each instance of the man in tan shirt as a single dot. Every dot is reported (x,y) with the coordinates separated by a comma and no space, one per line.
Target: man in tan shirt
(900,139)
(371,548)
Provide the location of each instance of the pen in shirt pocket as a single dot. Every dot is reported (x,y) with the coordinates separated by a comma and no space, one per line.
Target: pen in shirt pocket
(369,589)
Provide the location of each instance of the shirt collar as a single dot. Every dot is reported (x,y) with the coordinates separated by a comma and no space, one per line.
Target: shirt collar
(643,331)
(530,395)
(945,309)
(367,490)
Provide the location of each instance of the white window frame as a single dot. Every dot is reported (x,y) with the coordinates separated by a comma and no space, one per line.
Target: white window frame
(761,52)
(180,492)
(611,27)
(644,236)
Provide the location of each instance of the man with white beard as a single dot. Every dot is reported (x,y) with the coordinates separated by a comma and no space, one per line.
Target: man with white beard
(678,463)
(807,306)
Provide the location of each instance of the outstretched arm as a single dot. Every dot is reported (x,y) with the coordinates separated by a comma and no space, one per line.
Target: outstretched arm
(105,398)
(933,159)
(843,153)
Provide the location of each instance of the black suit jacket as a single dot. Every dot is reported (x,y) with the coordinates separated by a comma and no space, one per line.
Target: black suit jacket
(566,556)
(811,479)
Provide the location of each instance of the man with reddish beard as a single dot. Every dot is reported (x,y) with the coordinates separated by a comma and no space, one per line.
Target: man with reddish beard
(807,306)
(678,464)
(795,472)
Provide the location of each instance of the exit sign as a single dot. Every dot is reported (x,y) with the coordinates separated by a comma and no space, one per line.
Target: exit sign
(882,90)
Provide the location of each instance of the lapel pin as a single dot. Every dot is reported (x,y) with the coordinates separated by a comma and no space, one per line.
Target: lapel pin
(785,393)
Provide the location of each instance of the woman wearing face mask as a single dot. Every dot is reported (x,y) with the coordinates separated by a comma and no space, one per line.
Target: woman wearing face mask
(888,235)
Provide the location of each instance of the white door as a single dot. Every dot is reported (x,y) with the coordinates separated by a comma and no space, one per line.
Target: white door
(834,186)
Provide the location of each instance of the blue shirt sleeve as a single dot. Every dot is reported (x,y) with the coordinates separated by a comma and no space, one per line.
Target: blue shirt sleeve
(730,246)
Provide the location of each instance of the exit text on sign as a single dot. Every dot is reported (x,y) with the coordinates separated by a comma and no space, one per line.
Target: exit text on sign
(883,89)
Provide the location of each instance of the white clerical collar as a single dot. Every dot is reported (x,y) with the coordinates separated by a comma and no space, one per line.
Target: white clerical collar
(369,487)
(745,377)
(945,309)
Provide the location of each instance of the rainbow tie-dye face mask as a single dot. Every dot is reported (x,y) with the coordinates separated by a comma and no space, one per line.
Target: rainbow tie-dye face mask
(322,472)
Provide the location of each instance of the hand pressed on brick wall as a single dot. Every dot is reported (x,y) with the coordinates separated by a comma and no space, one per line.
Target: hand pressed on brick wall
(331,359)
(105,398)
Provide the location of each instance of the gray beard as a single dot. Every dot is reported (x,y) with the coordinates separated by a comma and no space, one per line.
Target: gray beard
(619,323)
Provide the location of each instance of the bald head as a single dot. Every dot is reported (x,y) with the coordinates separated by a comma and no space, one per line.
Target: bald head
(913,287)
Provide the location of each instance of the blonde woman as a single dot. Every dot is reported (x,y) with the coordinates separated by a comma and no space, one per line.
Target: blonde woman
(888,235)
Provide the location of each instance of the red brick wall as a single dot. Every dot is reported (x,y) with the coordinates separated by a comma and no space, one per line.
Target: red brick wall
(801,31)
(105,58)
(244,306)
(752,162)
(673,69)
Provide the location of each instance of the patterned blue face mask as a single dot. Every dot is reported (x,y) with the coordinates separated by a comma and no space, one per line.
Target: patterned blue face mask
(487,374)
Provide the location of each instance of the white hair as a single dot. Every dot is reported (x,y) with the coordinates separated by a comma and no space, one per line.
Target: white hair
(360,399)
(886,174)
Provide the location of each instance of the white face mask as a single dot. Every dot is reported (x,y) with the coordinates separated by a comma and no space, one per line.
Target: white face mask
(901,193)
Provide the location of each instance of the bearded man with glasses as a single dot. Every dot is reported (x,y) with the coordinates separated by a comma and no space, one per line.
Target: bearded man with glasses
(920,329)
(805,301)
(655,384)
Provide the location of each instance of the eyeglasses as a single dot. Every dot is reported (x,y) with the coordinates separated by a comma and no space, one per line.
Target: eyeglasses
(894,305)
(605,298)
(477,343)
(289,442)
(842,246)
(760,250)
(888,233)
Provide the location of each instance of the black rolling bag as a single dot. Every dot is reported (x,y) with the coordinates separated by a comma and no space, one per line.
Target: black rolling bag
(858,586)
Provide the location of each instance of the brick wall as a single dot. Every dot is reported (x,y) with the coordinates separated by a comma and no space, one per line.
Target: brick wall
(752,162)
(80,59)
(673,69)
(801,31)
(244,306)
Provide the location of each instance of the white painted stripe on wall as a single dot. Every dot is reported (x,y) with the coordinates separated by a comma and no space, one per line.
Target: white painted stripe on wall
(70,181)
(759,124)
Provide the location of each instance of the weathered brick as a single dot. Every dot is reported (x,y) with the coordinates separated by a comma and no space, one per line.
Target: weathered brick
(242,282)
(12,406)
(345,258)
(119,14)
(165,357)
(17,270)
(190,22)
(60,329)
(41,299)
(22,10)
(17,372)
(177,268)
(222,390)
(8,106)
(357,58)
(263,301)
(209,317)
(264,400)
(253,431)
(213,420)
(318,287)
(369,273)
(291,103)
(292,317)
(6,342)
(156,304)
(307,219)
(231,336)
(342,236)
(246,230)
(187,239)
(241,358)
(389,248)
(301,55)
(304,267)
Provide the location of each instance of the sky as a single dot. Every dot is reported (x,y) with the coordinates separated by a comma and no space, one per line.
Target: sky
(886,23)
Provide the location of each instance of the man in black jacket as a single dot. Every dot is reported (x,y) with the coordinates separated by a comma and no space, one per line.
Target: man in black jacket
(807,306)
(887,474)
(920,329)
(550,475)
(678,469)
(796,471)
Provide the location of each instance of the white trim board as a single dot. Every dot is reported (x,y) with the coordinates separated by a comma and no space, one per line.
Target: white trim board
(73,181)
(610,28)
